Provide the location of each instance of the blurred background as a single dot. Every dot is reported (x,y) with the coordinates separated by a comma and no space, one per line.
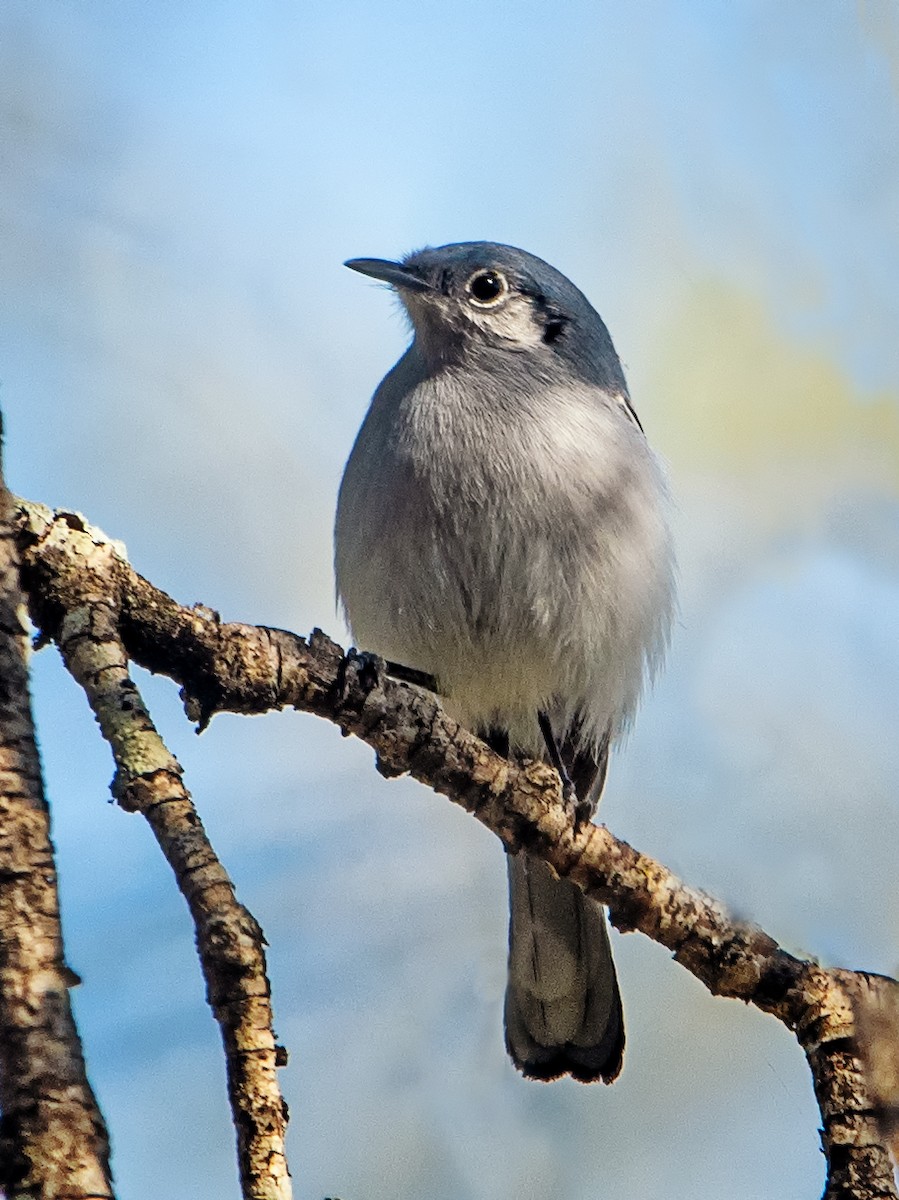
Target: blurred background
(184,359)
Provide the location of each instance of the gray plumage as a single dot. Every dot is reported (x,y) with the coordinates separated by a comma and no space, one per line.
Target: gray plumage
(501,526)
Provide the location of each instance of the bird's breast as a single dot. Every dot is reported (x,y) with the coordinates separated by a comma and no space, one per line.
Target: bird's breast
(505,547)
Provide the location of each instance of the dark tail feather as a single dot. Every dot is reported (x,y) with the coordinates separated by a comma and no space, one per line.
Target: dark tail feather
(563,1007)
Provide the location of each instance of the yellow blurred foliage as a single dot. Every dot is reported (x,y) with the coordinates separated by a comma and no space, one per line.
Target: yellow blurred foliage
(733,395)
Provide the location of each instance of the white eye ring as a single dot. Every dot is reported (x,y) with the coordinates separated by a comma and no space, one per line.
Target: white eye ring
(486,288)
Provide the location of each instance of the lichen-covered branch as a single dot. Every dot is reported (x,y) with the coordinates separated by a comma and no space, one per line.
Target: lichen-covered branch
(242,668)
(53,1142)
(229,941)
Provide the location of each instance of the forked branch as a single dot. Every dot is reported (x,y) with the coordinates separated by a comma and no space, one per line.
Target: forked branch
(84,594)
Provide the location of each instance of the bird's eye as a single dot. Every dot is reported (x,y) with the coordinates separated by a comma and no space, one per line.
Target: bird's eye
(487,288)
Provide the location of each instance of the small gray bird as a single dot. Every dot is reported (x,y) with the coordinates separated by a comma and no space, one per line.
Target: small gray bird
(501,527)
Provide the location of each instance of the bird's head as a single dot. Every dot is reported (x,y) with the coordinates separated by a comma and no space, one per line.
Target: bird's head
(473,299)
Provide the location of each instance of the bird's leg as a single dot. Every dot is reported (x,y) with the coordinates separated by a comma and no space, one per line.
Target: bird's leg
(411,675)
(497,740)
(555,757)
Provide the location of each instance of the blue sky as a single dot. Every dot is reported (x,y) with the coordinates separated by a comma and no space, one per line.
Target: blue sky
(183,358)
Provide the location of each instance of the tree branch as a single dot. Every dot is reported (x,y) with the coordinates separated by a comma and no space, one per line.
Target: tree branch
(230,943)
(251,669)
(53,1143)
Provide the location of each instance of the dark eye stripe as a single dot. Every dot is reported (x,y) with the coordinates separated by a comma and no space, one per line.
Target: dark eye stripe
(553,329)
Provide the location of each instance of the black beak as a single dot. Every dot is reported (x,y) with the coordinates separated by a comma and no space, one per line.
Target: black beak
(390,272)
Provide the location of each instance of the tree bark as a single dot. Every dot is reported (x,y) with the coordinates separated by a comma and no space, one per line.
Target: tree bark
(53,1143)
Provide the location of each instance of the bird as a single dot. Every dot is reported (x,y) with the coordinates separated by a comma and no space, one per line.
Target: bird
(502,528)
